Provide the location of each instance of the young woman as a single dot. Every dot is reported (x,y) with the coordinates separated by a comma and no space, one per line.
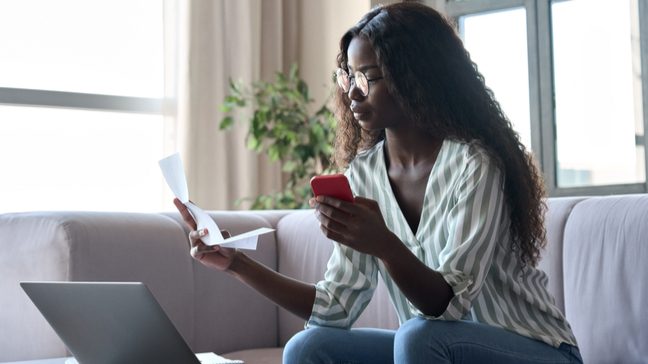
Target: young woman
(449,212)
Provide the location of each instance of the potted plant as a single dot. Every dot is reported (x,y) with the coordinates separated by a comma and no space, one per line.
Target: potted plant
(282,127)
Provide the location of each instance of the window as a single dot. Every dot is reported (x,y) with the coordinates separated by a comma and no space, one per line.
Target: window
(568,75)
(504,64)
(595,95)
(81,124)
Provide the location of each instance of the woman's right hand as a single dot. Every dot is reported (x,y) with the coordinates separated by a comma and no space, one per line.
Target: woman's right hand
(214,256)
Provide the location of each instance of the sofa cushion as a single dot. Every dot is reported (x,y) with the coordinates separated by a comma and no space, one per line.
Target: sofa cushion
(605,270)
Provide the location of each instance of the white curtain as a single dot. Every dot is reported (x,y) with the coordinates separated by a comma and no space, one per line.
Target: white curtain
(219,40)
(211,41)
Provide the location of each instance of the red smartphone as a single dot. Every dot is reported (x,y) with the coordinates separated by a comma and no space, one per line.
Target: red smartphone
(333,185)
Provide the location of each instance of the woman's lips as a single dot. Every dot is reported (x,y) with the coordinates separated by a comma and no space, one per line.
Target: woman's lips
(360,115)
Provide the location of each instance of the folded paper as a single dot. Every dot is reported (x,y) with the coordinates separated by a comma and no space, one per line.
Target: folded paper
(173,172)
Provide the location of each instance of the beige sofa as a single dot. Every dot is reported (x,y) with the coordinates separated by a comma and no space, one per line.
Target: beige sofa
(597,264)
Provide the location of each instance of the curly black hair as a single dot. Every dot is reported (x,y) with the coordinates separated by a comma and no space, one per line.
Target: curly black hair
(430,74)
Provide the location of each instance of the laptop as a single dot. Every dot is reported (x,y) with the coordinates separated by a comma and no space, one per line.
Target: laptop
(112,322)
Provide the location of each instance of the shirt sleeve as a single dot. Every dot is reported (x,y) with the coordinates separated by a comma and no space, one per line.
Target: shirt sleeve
(475,225)
(347,288)
(349,282)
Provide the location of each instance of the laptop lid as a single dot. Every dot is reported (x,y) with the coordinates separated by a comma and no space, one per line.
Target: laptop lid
(109,322)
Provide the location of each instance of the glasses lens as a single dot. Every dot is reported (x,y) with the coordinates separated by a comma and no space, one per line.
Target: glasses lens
(361,83)
(342,78)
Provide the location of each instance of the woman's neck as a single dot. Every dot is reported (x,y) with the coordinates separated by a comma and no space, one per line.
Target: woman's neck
(410,147)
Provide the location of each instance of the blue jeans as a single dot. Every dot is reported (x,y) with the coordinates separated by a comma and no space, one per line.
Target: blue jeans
(423,341)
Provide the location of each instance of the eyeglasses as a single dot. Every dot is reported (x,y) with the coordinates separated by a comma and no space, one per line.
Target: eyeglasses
(359,80)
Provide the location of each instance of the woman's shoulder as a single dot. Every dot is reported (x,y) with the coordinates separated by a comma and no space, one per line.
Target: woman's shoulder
(468,152)
(368,156)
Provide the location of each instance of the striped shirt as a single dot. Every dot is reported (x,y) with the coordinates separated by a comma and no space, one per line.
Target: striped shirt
(463,234)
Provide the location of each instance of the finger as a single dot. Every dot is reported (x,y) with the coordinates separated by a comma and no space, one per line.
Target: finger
(184,212)
(334,202)
(366,202)
(312,203)
(332,225)
(333,213)
(333,235)
(196,254)
(195,236)
(202,248)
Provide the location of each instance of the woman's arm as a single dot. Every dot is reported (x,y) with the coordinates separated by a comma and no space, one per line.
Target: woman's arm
(360,225)
(293,295)
(424,287)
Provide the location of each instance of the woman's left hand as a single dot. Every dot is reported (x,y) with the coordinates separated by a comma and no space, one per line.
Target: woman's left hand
(359,225)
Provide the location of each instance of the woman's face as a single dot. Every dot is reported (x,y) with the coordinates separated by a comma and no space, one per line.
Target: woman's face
(378,110)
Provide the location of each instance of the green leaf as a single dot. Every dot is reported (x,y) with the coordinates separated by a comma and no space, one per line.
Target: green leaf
(303,89)
(274,152)
(289,166)
(294,70)
(226,123)
(226,107)
(253,143)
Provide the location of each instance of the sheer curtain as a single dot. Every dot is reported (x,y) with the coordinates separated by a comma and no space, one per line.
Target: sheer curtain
(211,41)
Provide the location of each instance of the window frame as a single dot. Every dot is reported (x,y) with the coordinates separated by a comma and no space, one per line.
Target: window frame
(75,100)
(541,86)
(100,102)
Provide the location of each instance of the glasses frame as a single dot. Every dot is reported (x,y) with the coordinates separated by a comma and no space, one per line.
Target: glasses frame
(359,80)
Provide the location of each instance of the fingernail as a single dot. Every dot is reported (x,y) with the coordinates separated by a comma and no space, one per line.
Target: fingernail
(202,233)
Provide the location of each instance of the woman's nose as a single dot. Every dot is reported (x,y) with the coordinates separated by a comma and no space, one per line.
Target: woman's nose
(354,92)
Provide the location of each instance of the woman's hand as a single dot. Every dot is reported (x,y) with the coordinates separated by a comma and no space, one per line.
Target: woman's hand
(215,256)
(359,225)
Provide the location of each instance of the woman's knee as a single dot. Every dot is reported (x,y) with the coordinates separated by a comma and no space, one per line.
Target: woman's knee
(418,336)
(309,346)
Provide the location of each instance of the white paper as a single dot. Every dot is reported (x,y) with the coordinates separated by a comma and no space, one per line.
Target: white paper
(246,240)
(174,175)
(204,221)
(211,358)
(173,172)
